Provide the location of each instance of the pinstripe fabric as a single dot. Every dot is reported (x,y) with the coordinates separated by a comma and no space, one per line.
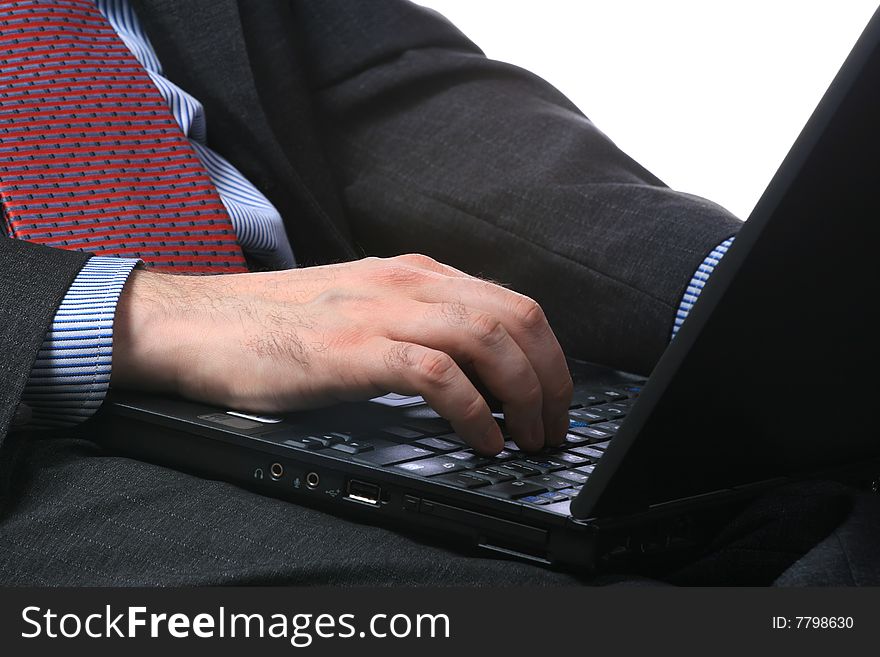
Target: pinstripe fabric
(696,284)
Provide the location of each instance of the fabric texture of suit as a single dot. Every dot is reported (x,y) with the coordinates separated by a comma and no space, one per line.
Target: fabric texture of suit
(374,128)
(380,129)
(33,280)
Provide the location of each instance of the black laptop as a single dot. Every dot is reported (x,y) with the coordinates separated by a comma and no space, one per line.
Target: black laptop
(772,378)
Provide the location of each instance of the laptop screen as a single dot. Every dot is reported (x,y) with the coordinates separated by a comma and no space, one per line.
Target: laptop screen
(775,371)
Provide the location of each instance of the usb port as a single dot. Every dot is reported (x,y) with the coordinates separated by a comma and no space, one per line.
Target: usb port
(361,491)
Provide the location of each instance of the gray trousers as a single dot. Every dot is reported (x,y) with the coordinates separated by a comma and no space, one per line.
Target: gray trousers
(81,517)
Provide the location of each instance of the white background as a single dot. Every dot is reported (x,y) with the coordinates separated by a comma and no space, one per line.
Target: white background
(708,95)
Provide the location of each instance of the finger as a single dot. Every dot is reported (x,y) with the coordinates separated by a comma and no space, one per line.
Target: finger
(480,342)
(408,368)
(526,323)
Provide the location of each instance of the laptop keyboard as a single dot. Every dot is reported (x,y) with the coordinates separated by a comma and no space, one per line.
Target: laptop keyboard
(427,447)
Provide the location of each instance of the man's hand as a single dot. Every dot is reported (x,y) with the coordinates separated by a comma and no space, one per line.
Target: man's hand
(283,341)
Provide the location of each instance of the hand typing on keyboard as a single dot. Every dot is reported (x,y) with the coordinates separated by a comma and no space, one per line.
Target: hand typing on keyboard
(290,340)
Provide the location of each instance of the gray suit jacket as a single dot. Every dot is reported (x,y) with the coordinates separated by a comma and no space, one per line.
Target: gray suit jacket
(378,128)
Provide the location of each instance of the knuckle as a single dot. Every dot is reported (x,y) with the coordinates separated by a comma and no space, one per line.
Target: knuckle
(567,389)
(473,410)
(417,260)
(455,313)
(398,275)
(529,314)
(533,394)
(437,369)
(399,356)
(562,392)
(488,329)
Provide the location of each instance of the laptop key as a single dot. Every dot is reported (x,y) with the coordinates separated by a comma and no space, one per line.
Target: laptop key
(299,444)
(512,490)
(587,416)
(590,432)
(492,475)
(603,445)
(403,432)
(610,427)
(611,411)
(593,398)
(394,454)
(352,447)
(573,476)
(534,499)
(572,459)
(434,466)
(438,444)
(462,480)
(614,394)
(553,496)
(453,438)
(573,439)
(588,451)
(585,469)
(469,459)
(550,482)
(428,426)
(503,455)
(306,442)
(503,471)
(545,465)
(327,439)
(524,469)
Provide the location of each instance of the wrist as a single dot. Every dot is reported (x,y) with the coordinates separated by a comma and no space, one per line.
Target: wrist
(146,337)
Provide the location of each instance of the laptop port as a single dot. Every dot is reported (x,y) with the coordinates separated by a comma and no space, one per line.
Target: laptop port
(363,492)
(276,470)
(312,479)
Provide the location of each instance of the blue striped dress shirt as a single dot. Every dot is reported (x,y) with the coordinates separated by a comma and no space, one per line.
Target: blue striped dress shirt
(695,286)
(71,375)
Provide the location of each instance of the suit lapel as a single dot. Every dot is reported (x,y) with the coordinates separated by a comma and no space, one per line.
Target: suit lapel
(203,48)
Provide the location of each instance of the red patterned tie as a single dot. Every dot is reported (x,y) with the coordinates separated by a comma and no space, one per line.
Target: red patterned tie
(90,155)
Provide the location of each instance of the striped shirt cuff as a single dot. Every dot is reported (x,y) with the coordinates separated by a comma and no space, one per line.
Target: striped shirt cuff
(71,375)
(695,287)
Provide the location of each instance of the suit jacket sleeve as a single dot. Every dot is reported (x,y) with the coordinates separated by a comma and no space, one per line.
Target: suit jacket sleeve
(33,281)
(483,165)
